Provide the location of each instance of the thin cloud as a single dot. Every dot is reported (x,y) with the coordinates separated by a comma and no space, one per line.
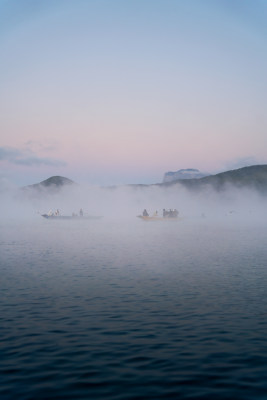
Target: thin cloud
(34,146)
(26,157)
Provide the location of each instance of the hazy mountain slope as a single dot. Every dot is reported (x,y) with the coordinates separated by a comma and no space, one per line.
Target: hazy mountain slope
(253,177)
(188,173)
(54,182)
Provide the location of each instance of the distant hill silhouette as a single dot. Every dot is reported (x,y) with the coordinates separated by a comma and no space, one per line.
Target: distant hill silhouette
(189,173)
(254,177)
(54,182)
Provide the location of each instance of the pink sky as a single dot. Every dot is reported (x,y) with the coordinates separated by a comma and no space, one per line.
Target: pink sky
(123,94)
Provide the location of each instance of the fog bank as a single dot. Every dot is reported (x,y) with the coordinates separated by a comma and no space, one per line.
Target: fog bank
(126,202)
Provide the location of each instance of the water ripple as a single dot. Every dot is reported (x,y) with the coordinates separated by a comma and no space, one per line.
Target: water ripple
(132,319)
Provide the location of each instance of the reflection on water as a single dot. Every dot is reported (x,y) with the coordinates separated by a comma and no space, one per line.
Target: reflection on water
(108,310)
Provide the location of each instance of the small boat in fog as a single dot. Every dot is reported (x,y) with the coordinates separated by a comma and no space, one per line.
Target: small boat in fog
(70,217)
(58,216)
(171,215)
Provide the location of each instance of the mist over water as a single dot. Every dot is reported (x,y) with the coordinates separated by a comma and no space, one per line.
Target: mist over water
(120,308)
(125,202)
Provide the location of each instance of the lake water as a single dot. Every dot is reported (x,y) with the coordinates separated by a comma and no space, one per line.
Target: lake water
(133,310)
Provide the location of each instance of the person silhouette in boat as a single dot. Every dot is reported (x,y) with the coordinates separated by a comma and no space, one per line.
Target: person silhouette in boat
(175,213)
(145,213)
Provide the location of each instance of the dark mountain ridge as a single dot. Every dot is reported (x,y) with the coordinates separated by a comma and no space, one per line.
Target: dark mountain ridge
(54,182)
(254,177)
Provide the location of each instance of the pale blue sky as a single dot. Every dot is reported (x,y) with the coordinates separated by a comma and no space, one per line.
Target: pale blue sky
(109,92)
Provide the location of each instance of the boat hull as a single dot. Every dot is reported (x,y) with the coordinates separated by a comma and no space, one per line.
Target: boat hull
(70,217)
(155,218)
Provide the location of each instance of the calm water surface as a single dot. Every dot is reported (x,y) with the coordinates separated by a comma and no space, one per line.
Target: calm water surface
(133,310)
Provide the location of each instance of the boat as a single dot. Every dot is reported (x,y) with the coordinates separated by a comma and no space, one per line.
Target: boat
(70,217)
(170,215)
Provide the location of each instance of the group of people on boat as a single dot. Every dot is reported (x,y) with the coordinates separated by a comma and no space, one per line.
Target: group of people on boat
(53,214)
(57,213)
(80,213)
(171,213)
